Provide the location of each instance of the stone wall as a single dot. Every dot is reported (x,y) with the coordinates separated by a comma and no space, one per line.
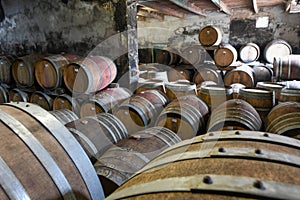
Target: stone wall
(59,26)
(238,29)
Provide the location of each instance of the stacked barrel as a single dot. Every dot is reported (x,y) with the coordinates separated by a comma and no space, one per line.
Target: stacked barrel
(99,139)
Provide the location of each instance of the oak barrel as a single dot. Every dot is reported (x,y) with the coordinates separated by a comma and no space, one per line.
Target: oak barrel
(167,56)
(90,74)
(180,88)
(181,72)
(64,115)
(262,73)
(140,111)
(42,99)
(207,74)
(186,116)
(287,67)
(284,119)
(6,62)
(150,84)
(104,101)
(4,98)
(263,100)
(249,52)
(214,95)
(49,71)
(18,95)
(96,134)
(234,114)
(276,48)
(289,94)
(274,86)
(129,155)
(225,55)
(194,55)
(65,101)
(220,165)
(23,70)
(40,159)
(243,75)
(210,36)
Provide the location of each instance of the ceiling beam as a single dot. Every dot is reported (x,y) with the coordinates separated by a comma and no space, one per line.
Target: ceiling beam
(222,6)
(288,5)
(163,9)
(190,6)
(255,7)
(151,14)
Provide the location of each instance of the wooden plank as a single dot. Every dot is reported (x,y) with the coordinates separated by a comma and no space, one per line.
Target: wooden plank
(164,9)
(190,6)
(255,7)
(222,6)
(151,14)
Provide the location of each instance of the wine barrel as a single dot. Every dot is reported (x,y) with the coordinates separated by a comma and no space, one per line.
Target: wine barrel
(262,73)
(284,119)
(289,94)
(180,88)
(243,75)
(64,115)
(234,114)
(276,87)
(150,84)
(4,98)
(181,72)
(140,111)
(287,67)
(263,100)
(276,48)
(220,165)
(145,55)
(194,55)
(96,134)
(159,74)
(40,159)
(215,95)
(225,55)
(23,70)
(104,101)
(6,62)
(210,36)
(167,56)
(249,52)
(49,71)
(90,74)
(186,116)
(207,74)
(18,95)
(65,101)
(129,155)
(42,99)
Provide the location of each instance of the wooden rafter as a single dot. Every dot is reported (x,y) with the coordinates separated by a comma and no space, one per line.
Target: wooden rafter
(163,9)
(189,5)
(151,14)
(222,6)
(255,7)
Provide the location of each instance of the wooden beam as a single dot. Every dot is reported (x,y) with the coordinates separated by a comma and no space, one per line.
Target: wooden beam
(151,14)
(255,7)
(222,6)
(190,6)
(163,9)
(288,5)
(132,42)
